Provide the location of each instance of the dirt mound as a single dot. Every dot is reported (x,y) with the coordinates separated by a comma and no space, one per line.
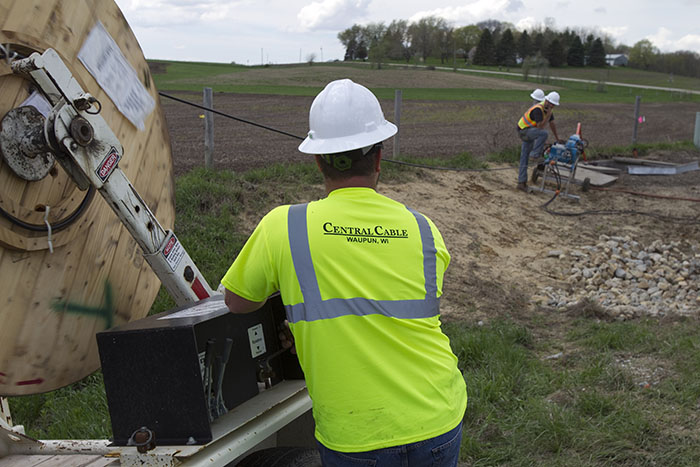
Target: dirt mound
(501,240)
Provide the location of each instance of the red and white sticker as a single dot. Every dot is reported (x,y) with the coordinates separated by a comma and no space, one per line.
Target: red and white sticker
(109,163)
(173,252)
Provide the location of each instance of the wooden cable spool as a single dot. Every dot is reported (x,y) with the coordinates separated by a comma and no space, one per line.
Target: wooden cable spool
(53,304)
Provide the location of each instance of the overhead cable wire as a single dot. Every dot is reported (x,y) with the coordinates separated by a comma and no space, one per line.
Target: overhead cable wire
(183,101)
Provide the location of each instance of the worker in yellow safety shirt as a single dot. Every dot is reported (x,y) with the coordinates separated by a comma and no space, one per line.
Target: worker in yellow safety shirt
(360,276)
(532,133)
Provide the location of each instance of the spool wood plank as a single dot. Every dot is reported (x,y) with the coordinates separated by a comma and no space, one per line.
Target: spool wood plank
(54,303)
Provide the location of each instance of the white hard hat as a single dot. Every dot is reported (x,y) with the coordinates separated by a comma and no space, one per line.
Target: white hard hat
(537,94)
(553,97)
(345,116)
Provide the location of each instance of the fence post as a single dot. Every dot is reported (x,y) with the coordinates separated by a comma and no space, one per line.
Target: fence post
(636,119)
(208,129)
(397,120)
(696,137)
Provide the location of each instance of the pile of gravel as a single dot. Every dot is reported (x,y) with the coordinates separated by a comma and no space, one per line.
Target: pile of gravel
(628,279)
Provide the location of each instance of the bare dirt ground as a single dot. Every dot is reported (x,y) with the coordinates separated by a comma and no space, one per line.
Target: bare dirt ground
(499,238)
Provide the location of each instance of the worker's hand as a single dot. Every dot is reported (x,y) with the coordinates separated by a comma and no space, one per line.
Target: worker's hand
(286,338)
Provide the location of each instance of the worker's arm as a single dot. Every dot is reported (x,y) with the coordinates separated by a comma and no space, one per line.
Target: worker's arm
(238,304)
(553,126)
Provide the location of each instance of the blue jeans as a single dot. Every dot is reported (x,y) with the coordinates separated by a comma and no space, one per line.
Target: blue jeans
(533,142)
(441,451)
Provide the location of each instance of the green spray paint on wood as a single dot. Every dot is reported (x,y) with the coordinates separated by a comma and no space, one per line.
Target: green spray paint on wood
(104,311)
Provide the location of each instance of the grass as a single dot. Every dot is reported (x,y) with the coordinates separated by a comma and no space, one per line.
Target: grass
(583,408)
(598,403)
(165,71)
(78,411)
(606,74)
(185,76)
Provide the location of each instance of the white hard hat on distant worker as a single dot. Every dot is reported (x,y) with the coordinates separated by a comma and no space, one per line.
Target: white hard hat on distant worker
(553,97)
(537,94)
(345,116)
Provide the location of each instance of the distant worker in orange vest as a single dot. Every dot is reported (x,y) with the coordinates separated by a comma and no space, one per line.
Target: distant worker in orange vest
(532,133)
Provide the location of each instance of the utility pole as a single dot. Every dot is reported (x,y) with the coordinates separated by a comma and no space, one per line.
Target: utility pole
(454,51)
(321,54)
(261,56)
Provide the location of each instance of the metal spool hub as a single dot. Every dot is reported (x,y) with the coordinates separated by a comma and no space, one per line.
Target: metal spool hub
(23,144)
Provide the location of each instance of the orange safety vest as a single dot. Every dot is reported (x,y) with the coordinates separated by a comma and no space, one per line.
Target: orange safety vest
(527,122)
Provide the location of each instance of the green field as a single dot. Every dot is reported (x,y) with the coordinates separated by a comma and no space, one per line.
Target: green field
(611,74)
(415,82)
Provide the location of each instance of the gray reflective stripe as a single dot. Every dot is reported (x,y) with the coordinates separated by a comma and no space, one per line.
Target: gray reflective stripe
(301,254)
(429,254)
(314,308)
(335,307)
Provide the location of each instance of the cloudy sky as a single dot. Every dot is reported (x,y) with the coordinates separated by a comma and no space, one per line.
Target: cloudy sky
(286,31)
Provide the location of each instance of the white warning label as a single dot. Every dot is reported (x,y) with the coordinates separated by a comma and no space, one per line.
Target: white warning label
(173,252)
(105,61)
(257,340)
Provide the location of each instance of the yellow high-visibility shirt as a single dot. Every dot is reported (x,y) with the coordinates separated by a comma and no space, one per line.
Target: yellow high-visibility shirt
(360,276)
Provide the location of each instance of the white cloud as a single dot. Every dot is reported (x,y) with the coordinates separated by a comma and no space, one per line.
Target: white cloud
(167,13)
(474,12)
(688,42)
(616,32)
(527,24)
(331,14)
(661,39)
(665,41)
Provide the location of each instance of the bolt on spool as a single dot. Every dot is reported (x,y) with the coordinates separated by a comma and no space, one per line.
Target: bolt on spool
(81,131)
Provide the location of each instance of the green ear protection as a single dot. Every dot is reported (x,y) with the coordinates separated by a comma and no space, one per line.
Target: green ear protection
(339,162)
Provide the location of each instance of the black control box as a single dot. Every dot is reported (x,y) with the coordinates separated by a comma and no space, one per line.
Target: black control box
(163,372)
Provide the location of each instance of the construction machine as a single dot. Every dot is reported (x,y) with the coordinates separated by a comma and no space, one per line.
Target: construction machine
(562,155)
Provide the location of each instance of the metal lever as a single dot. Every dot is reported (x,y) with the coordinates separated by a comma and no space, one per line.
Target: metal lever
(208,360)
(265,371)
(219,406)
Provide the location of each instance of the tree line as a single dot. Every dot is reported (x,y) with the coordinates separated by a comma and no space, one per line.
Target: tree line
(496,43)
